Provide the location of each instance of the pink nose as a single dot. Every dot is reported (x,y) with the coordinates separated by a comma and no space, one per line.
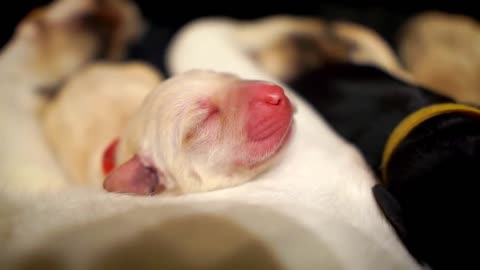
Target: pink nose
(270,111)
(269,93)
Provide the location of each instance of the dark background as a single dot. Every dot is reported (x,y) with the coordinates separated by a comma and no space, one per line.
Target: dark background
(383,16)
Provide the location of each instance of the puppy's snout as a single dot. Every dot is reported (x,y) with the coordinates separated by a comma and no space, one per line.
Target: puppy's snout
(270,111)
(268,97)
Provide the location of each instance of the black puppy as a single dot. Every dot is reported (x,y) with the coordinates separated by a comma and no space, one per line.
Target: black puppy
(423,147)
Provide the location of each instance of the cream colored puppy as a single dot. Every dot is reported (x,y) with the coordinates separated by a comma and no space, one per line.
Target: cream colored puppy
(90,111)
(48,45)
(370,48)
(195,132)
(442,51)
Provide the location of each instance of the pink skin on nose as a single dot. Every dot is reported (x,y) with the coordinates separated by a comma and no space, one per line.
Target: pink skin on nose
(269,117)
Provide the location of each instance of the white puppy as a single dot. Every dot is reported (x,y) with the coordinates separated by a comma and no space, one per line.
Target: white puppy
(194,132)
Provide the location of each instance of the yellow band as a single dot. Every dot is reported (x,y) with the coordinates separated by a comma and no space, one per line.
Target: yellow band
(413,120)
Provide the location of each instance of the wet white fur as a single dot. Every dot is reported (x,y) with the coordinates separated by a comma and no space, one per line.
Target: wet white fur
(157,130)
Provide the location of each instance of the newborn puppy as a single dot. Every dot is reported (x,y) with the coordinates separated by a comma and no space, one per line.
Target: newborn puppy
(195,132)
(302,47)
(99,98)
(201,131)
(48,45)
(441,51)
(417,142)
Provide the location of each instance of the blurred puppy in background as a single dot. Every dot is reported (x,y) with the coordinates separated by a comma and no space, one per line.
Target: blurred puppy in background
(49,45)
(90,110)
(56,40)
(306,43)
(442,51)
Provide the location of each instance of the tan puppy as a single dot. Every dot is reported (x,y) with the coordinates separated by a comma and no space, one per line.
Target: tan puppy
(369,48)
(198,131)
(48,45)
(90,110)
(305,43)
(442,51)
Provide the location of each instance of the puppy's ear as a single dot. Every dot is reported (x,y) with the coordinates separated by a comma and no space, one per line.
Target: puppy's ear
(134,177)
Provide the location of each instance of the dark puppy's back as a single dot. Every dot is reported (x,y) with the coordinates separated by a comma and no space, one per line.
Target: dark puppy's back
(362,103)
(433,175)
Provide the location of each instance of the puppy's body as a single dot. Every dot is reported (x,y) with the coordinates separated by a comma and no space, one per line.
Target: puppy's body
(428,175)
(370,49)
(47,46)
(442,52)
(90,111)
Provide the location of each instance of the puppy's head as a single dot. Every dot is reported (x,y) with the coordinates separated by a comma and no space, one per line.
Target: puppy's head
(62,36)
(201,131)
